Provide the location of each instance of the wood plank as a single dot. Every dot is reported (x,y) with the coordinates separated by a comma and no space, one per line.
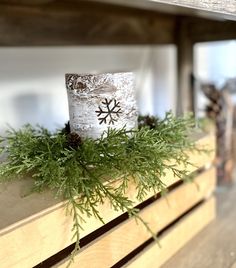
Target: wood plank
(176,237)
(203,30)
(213,247)
(222,6)
(17,207)
(127,236)
(113,22)
(199,160)
(36,213)
(200,8)
(67,23)
(26,2)
(185,101)
(207,8)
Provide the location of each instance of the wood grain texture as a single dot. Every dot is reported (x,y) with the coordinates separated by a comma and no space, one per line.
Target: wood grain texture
(27,220)
(176,237)
(203,8)
(82,24)
(215,246)
(129,235)
(48,23)
(185,99)
(16,204)
(26,2)
(113,22)
(208,30)
(221,6)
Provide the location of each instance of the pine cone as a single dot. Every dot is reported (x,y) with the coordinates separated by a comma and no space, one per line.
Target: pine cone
(149,121)
(74,140)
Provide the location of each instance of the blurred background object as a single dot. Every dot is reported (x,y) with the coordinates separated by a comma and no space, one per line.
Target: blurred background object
(215,75)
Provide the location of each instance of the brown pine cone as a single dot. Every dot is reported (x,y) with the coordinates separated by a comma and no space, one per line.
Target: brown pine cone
(74,140)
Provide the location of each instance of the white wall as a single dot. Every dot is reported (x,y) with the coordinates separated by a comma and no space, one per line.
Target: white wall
(32,79)
(215,62)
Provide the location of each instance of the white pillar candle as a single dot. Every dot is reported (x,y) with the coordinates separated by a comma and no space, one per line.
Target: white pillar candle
(99,101)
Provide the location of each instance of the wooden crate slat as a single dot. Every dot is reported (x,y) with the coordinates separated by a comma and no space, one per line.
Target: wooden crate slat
(176,237)
(44,229)
(16,209)
(199,160)
(123,239)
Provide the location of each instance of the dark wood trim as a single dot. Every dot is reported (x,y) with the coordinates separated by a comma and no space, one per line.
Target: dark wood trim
(208,30)
(82,24)
(185,95)
(224,9)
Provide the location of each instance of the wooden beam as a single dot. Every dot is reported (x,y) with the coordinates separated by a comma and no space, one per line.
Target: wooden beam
(26,2)
(63,23)
(208,30)
(207,8)
(223,6)
(57,22)
(185,96)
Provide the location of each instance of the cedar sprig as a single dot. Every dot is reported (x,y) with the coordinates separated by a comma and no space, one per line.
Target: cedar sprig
(83,171)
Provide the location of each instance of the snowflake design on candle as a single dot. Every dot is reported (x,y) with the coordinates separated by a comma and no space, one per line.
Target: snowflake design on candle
(110,112)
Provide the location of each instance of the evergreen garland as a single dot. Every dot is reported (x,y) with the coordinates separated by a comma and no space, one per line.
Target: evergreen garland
(83,171)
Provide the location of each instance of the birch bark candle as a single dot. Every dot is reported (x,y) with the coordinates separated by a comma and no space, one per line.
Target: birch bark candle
(99,101)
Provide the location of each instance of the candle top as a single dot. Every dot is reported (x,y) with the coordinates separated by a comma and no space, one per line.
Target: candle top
(97,83)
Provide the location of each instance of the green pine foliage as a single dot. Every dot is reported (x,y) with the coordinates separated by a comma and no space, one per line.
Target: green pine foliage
(84,171)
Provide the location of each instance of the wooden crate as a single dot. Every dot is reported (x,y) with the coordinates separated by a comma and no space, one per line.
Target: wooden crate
(34,228)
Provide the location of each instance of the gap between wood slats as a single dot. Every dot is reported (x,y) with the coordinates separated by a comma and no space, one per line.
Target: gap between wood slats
(176,237)
(204,189)
(49,231)
(100,231)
